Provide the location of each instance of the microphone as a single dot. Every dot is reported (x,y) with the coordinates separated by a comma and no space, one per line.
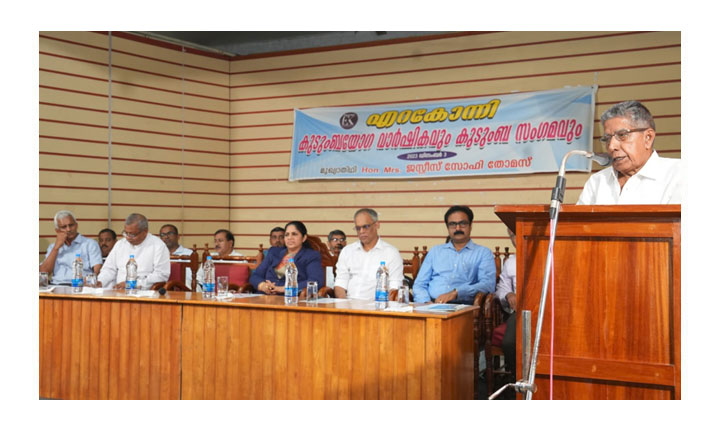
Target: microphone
(558,192)
(162,291)
(602,159)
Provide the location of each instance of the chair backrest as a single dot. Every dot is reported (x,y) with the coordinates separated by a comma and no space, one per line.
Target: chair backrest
(236,268)
(318,245)
(411,266)
(500,258)
(178,264)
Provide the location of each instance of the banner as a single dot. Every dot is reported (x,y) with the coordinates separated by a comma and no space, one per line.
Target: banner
(507,134)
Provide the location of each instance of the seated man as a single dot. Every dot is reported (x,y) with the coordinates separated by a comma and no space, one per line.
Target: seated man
(358,262)
(506,294)
(458,270)
(151,255)
(169,235)
(68,242)
(106,240)
(224,245)
(277,237)
(637,175)
(336,241)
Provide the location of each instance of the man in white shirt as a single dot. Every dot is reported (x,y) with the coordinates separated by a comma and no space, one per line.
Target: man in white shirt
(358,262)
(169,235)
(151,255)
(637,175)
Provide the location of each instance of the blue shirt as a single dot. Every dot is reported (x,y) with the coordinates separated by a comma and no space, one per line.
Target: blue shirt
(89,251)
(469,271)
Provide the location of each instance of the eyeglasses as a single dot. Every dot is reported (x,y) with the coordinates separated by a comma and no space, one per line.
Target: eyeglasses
(620,135)
(166,234)
(338,240)
(363,227)
(128,235)
(462,224)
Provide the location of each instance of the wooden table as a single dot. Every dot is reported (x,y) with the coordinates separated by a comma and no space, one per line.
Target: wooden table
(179,346)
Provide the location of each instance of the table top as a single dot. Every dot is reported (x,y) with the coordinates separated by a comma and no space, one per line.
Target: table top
(260,301)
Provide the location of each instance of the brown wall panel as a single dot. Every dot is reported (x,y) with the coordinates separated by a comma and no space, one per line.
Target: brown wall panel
(239,113)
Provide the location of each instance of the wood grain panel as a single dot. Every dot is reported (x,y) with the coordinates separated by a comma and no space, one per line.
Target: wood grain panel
(91,350)
(615,289)
(303,354)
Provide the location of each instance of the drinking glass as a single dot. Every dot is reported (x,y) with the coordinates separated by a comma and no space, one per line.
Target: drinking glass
(90,280)
(403,296)
(312,292)
(222,286)
(43,280)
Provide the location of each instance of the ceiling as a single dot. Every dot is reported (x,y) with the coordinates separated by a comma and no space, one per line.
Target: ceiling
(262,42)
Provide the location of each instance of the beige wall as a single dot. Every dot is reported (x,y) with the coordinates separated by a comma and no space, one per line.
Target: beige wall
(180,119)
(169,136)
(264,92)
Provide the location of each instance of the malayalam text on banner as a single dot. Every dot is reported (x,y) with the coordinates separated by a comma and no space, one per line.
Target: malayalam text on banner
(505,134)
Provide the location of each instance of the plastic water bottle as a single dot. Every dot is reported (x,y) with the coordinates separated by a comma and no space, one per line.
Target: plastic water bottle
(381,287)
(77,274)
(209,278)
(131,276)
(291,283)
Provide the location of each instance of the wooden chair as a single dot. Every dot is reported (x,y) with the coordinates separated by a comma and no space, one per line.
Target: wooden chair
(178,266)
(411,266)
(478,339)
(492,322)
(237,269)
(327,260)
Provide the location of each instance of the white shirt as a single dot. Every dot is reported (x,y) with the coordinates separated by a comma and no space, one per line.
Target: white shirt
(201,272)
(659,181)
(182,251)
(507,282)
(152,257)
(356,268)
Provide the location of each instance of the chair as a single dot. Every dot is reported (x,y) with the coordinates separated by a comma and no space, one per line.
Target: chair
(237,269)
(327,260)
(178,266)
(411,266)
(493,328)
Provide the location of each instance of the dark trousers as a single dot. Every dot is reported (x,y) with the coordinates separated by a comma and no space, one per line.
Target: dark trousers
(508,344)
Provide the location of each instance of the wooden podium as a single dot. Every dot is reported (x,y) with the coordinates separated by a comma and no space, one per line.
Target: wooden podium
(617,299)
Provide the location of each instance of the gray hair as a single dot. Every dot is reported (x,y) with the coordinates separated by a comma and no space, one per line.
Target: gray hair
(62,214)
(140,219)
(370,212)
(632,110)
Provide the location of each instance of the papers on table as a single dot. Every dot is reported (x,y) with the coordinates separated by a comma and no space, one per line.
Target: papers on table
(399,307)
(245,295)
(440,308)
(331,300)
(143,293)
(47,289)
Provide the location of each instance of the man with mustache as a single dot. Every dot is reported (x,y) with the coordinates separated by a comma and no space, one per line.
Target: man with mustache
(637,175)
(455,271)
(224,246)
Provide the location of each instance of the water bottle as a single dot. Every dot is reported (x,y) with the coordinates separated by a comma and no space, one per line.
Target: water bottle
(381,287)
(209,278)
(131,276)
(77,274)
(291,283)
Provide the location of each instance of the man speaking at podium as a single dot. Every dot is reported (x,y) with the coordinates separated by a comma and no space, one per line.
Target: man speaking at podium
(637,175)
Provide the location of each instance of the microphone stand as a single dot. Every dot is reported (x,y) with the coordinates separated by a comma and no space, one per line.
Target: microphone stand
(528,385)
